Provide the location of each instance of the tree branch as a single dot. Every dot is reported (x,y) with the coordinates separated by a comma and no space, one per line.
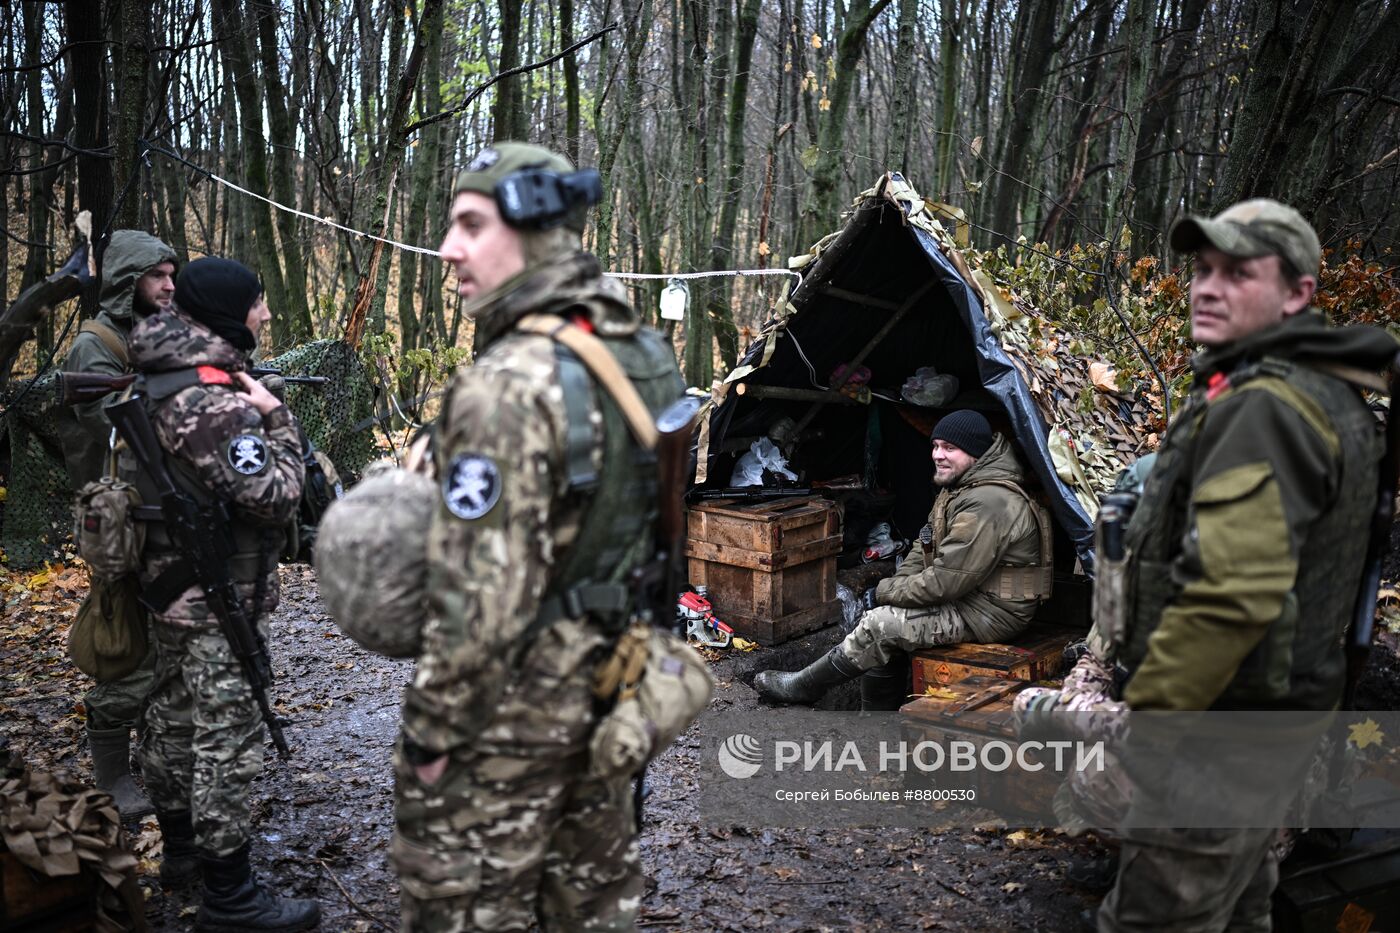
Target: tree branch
(477,92)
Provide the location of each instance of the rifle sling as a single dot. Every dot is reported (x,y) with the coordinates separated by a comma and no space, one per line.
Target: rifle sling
(604,368)
(113,341)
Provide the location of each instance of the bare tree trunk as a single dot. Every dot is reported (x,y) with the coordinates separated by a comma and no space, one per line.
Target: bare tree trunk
(508,116)
(823,199)
(296,312)
(131,62)
(1036,29)
(904,107)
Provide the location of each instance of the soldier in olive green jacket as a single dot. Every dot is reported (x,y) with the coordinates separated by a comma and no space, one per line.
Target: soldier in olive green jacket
(1244,559)
(979,577)
(138,279)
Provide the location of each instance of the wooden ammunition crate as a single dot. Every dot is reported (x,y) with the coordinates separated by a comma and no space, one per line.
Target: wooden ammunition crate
(770,568)
(1036,654)
(979,709)
(31,902)
(1358,889)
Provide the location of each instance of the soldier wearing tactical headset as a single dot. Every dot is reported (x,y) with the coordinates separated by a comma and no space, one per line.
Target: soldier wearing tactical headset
(544,498)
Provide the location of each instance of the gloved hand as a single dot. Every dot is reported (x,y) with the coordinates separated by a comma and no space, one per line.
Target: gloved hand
(275,384)
(1036,708)
(867,600)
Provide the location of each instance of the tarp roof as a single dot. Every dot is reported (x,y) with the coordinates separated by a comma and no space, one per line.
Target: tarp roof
(894,252)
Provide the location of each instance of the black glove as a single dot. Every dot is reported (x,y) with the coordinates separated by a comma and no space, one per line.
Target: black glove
(867,599)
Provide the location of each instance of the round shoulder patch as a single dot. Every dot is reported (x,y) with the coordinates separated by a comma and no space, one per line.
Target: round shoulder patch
(247,453)
(472,486)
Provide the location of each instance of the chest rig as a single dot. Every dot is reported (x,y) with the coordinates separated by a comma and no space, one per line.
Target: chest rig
(1299,663)
(1007,581)
(629,381)
(252,549)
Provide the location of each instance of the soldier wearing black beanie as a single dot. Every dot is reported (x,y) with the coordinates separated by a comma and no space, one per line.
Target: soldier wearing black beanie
(219,293)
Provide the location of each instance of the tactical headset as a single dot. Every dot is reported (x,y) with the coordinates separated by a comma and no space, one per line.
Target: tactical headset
(540,199)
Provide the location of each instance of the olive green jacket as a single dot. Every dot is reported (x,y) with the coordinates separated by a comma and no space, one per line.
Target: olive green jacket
(84,430)
(986,526)
(1251,479)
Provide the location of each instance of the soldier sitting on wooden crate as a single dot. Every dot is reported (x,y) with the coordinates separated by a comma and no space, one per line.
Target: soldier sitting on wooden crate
(982,567)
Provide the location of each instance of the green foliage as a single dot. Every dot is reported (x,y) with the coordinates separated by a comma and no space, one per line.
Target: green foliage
(1076,290)
(423,366)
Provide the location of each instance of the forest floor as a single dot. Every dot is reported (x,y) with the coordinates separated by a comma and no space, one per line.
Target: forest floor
(323,820)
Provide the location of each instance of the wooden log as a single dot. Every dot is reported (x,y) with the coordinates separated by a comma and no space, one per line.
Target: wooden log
(786,393)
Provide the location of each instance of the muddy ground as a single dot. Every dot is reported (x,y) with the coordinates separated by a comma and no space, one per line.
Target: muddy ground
(323,820)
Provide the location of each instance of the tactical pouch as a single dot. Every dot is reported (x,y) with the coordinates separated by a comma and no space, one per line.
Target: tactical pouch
(108,639)
(109,537)
(674,687)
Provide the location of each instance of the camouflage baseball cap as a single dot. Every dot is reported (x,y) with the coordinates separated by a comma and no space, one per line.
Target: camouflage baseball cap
(1257,227)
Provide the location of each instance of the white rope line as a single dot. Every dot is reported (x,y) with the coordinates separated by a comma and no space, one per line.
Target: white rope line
(704,275)
(321,220)
(432,252)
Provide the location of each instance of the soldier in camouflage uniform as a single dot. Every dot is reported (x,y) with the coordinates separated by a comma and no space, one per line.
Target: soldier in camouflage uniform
(978,578)
(1243,557)
(138,279)
(545,507)
(225,438)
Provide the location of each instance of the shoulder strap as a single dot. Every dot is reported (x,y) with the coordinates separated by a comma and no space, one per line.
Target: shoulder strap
(604,368)
(112,340)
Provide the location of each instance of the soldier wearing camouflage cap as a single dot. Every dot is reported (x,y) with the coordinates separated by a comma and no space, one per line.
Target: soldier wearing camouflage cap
(226,439)
(1242,555)
(545,506)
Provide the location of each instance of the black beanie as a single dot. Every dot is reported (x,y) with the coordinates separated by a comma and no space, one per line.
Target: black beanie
(966,430)
(218,293)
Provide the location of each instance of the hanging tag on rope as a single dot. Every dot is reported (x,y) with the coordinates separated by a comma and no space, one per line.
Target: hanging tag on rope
(674,300)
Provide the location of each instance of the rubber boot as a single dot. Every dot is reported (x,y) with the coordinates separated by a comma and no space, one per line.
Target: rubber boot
(234,900)
(111,769)
(885,687)
(179,858)
(809,684)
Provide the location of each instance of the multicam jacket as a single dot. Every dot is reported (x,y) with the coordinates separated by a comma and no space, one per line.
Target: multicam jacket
(84,430)
(219,445)
(986,526)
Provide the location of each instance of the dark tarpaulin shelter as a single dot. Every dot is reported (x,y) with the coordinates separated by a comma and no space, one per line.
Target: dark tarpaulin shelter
(892,284)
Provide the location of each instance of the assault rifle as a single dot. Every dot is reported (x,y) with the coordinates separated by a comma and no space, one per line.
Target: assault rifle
(1363,621)
(748,493)
(658,582)
(89,387)
(204,536)
(257,372)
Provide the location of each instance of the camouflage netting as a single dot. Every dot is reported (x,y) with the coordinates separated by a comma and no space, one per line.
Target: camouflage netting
(36,512)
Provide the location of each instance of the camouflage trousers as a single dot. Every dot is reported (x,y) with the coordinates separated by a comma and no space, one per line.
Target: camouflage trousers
(886,630)
(203,744)
(116,704)
(499,843)
(1193,881)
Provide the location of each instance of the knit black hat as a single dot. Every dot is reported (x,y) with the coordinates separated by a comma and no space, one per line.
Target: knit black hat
(218,293)
(966,430)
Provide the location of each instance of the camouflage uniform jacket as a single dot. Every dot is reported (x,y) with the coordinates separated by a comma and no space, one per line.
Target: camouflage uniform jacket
(986,526)
(84,430)
(1246,549)
(206,430)
(491,560)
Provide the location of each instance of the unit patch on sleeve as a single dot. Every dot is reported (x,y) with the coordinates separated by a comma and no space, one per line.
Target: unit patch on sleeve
(247,453)
(472,486)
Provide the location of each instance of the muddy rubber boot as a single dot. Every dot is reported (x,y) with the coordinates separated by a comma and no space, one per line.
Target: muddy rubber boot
(179,858)
(234,900)
(885,687)
(809,684)
(111,769)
